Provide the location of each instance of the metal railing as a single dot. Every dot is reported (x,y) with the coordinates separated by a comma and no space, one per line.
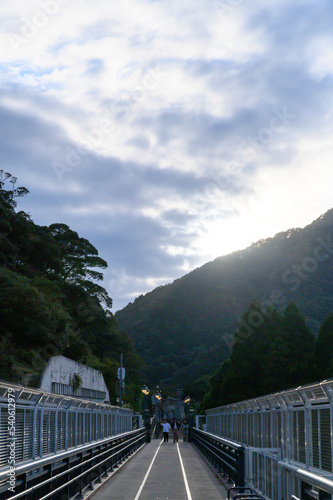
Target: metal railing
(45,435)
(312,485)
(62,476)
(226,456)
(288,437)
(44,423)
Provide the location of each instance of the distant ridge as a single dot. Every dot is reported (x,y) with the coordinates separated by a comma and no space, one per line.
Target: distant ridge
(180,328)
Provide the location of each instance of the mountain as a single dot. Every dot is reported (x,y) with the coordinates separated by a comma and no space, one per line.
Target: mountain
(180,328)
(51,302)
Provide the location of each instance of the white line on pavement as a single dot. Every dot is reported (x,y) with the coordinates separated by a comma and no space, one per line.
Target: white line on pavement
(147,473)
(189,496)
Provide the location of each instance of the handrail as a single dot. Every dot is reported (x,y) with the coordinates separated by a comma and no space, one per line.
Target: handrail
(227,442)
(321,482)
(73,468)
(304,394)
(52,399)
(228,456)
(35,464)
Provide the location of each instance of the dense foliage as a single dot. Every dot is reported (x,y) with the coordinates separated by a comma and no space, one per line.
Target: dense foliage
(51,302)
(183,329)
(279,353)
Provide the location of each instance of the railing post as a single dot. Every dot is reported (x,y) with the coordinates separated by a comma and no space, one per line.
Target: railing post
(241,467)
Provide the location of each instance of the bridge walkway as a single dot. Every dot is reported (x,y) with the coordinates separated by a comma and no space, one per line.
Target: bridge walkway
(162,471)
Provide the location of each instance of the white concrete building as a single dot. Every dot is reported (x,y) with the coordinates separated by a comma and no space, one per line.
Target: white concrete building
(65,376)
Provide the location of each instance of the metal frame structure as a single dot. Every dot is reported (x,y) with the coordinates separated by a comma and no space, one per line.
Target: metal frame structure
(66,475)
(226,456)
(47,425)
(288,438)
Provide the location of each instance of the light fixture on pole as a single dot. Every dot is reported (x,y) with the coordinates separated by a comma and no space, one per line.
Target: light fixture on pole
(187,401)
(145,390)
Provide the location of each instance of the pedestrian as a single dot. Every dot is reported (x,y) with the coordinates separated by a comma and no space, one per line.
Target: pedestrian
(175,426)
(166,428)
(185,427)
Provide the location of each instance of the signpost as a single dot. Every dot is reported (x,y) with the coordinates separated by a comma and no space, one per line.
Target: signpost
(121,376)
(121,373)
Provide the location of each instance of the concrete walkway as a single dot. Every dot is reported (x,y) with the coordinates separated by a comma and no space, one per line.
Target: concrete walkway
(163,471)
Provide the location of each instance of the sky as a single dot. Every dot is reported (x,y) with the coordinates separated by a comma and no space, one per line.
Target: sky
(167,132)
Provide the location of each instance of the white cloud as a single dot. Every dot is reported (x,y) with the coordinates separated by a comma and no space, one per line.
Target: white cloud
(160,116)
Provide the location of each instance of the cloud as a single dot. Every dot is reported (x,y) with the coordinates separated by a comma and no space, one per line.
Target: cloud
(168,134)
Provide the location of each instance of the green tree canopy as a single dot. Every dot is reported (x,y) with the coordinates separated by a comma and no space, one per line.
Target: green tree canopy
(324,348)
(79,258)
(272,352)
(50,301)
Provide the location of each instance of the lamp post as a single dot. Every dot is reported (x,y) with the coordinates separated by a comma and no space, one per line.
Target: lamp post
(186,429)
(187,404)
(146,413)
(157,400)
(145,391)
(161,398)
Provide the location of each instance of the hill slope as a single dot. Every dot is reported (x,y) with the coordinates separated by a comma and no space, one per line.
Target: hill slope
(52,303)
(180,328)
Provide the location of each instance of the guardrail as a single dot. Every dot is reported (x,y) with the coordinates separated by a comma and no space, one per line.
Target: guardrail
(288,439)
(312,485)
(226,456)
(35,424)
(63,475)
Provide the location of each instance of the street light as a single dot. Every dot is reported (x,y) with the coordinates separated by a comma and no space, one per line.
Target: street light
(145,390)
(186,406)
(146,412)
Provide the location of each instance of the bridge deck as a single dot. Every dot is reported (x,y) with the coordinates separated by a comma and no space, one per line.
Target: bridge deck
(163,471)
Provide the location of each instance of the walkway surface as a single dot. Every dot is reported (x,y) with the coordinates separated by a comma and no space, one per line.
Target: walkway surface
(163,471)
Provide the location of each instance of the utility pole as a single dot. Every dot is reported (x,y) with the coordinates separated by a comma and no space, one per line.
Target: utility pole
(121,376)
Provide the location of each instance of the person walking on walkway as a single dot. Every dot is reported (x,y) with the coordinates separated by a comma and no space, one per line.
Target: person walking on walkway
(166,428)
(185,428)
(175,426)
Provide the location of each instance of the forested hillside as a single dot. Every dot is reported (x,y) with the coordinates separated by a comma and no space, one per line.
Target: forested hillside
(51,302)
(278,352)
(185,329)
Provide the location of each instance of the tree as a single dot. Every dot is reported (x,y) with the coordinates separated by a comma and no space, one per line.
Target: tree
(50,301)
(291,355)
(324,348)
(8,246)
(277,354)
(217,395)
(78,259)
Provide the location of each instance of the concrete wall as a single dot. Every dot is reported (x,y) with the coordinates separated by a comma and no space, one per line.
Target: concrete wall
(58,375)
